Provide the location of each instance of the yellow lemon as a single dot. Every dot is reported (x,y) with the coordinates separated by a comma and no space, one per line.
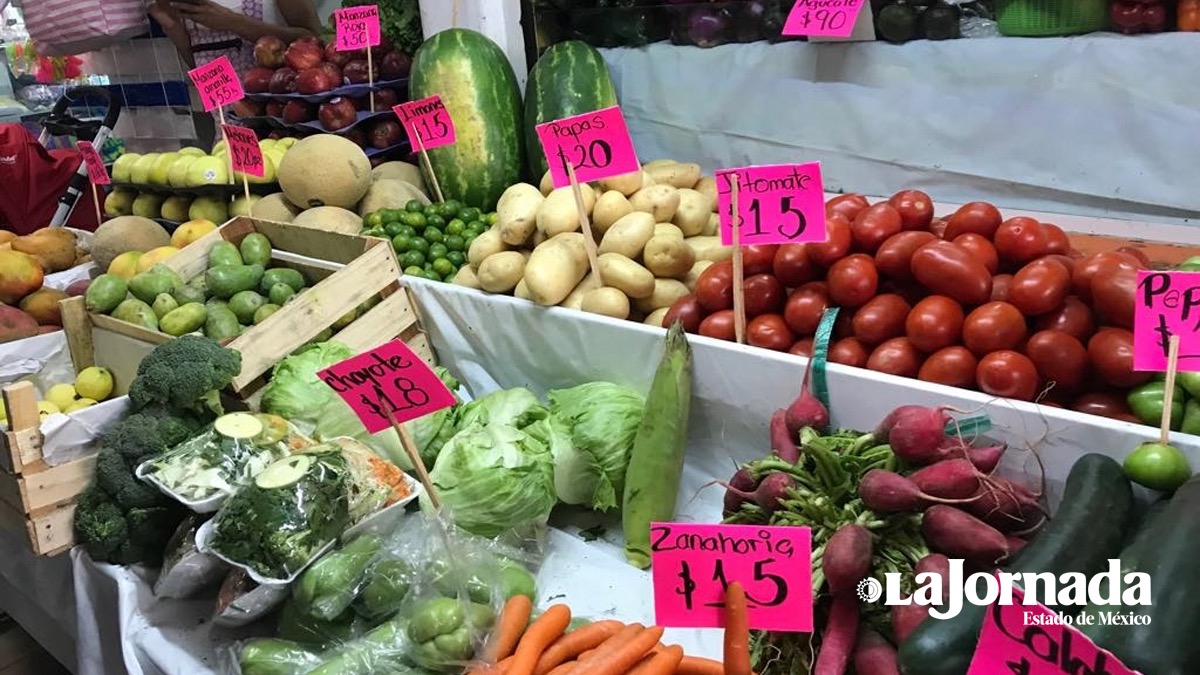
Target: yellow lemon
(95,383)
(61,395)
(79,405)
(125,265)
(46,409)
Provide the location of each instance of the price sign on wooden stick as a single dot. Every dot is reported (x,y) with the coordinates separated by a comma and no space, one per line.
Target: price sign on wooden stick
(358,28)
(219,86)
(779,204)
(596,145)
(1164,429)
(823,18)
(739,293)
(245,155)
(97,174)
(428,125)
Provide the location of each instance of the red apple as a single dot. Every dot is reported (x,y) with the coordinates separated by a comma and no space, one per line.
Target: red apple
(356,72)
(361,102)
(249,108)
(386,133)
(382,49)
(335,73)
(304,55)
(395,66)
(297,112)
(310,40)
(275,108)
(283,82)
(340,59)
(386,99)
(268,51)
(257,80)
(357,137)
(314,81)
(337,113)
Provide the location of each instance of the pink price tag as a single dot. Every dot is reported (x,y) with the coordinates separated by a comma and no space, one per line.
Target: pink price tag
(1032,640)
(218,84)
(693,564)
(1166,304)
(778,204)
(244,151)
(357,27)
(97,174)
(427,123)
(597,144)
(823,18)
(390,375)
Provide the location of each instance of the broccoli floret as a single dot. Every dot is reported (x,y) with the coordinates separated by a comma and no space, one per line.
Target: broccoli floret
(100,524)
(149,531)
(116,478)
(149,433)
(185,374)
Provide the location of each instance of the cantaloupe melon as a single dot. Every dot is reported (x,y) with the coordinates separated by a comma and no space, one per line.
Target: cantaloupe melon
(275,207)
(409,173)
(330,219)
(126,233)
(325,170)
(388,193)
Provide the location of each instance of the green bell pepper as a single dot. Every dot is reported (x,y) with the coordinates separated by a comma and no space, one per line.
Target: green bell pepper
(1191,418)
(1146,402)
(443,632)
(1190,383)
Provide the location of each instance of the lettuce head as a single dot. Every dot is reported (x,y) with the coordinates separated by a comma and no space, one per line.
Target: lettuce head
(601,420)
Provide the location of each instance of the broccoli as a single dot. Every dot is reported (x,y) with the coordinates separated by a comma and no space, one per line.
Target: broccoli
(149,433)
(116,478)
(99,524)
(112,532)
(186,375)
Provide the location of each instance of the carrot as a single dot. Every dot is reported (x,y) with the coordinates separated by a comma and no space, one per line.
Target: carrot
(737,631)
(509,628)
(546,629)
(623,636)
(695,665)
(563,669)
(574,644)
(662,662)
(618,659)
(498,668)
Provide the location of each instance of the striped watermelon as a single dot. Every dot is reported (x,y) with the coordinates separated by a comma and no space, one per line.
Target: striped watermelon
(571,78)
(476,83)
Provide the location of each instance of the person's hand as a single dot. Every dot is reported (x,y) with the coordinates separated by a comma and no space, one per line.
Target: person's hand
(207,13)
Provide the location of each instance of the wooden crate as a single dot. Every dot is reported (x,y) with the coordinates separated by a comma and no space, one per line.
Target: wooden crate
(347,270)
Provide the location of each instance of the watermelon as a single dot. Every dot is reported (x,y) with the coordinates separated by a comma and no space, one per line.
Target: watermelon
(477,85)
(571,78)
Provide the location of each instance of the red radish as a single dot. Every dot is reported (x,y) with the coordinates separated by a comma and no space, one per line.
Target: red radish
(885,427)
(935,563)
(906,618)
(847,558)
(917,435)
(740,483)
(782,441)
(767,494)
(1015,544)
(984,459)
(961,535)
(806,410)
(874,655)
(948,479)
(886,491)
(841,632)
(1006,506)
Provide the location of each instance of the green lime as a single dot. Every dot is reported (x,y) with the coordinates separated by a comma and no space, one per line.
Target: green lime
(455,226)
(435,221)
(457,257)
(413,258)
(438,250)
(393,228)
(416,220)
(374,232)
(433,234)
(414,271)
(467,241)
(492,218)
(468,214)
(406,230)
(414,206)
(455,242)
(444,267)
(401,243)
(391,215)
(373,219)
(472,232)
(418,244)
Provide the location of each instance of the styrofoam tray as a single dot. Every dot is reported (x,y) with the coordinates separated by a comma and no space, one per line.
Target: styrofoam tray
(385,519)
(209,505)
(203,542)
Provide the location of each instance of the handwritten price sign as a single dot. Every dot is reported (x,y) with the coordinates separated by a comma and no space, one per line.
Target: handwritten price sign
(597,144)
(1166,304)
(217,83)
(778,204)
(357,27)
(427,123)
(692,566)
(823,18)
(97,174)
(388,378)
(244,151)
(1023,640)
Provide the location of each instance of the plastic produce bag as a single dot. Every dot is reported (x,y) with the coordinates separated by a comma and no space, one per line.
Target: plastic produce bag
(298,626)
(241,602)
(272,656)
(186,571)
(327,588)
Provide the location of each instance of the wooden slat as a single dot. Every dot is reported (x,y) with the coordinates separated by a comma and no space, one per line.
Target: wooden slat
(20,448)
(306,241)
(391,317)
(192,260)
(42,485)
(1157,252)
(52,531)
(77,324)
(23,443)
(129,329)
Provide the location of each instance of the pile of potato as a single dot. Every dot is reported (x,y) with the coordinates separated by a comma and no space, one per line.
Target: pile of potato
(655,230)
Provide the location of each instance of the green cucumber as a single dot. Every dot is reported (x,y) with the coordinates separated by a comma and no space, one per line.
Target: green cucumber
(283,472)
(1089,528)
(569,79)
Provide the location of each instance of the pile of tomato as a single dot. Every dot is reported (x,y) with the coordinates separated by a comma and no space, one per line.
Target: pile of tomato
(972,300)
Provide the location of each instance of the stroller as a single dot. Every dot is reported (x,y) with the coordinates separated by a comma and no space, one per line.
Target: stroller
(41,187)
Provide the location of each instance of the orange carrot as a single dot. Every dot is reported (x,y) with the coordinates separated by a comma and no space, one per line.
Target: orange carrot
(498,668)
(662,662)
(695,665)
(563,669)
(737,632)
(618,660)
(546,629)
(620,638)
(513,620)
(574,644)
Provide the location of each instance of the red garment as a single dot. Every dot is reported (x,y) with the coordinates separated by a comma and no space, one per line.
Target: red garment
(32,179)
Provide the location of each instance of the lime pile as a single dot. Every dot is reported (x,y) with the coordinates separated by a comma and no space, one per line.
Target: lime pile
(431,240)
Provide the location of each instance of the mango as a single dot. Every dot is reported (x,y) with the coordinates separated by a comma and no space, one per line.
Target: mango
(125,265)
(20,275)
(152,258)
(42,305)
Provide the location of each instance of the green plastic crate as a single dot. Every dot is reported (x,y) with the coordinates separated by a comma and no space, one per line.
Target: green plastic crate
(1045,18)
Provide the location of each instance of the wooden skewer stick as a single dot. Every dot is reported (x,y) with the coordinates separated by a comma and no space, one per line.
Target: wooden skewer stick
(588,242)
(1164,427)
(739,296)
(410,449)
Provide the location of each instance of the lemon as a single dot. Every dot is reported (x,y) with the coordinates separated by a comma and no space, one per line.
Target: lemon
(79,405)
(61,395)
(46,408)
(95,383)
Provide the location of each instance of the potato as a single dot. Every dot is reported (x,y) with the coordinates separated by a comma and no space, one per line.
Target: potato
(466,277)
(712,227)
(660,201)
(554,269)
(500,273)
(658,164)
(610,207)
(576,243)
(707,186)
(656,317)
(707,248)
(607,301)
(559,213)
(679,175)
(626,183)
(517,213)
(693,274)
(538,238)
(666,292)
(547,184)
(628,236)
(575,299)
(522,290)
(667,230)
(693,212)
(668,257)
(631,278)
(647,181)
(485,246)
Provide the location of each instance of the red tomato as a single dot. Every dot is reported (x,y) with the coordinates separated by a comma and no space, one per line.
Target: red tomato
(1020,240)
(837,244)
(802,347)
(915,207)
(882,318)
(852,280)
(1009,374)
(769,332)
(873,226)
(714,287)
(843,326)
(894,257)
(1065,260)
(793,266)
(1074,318)
(1114,295)
(978,217)
(949,270)
(848,352)
(897,356)
(1040,286)
(1106,262)
(1111,352)
(992,327)
(980,247)
(764,294)
(1105,405)
(847,205)
(758,259)
(911,291)
(719,325)
(934,323)
(1056,240)
(938,227)
(1059,359)
(1137,253)
(804,308)
(686,310)
(952,366)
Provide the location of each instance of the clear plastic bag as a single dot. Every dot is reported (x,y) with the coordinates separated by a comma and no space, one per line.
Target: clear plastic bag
(186,571)
(330,585)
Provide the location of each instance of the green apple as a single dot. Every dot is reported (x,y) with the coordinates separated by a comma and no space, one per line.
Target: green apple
(268,176)
(266,143)
(139,173)
(192,152)
(286,142)
(208,171)
(218,147)
(175,208)
(241,207)
(148,205)
(177,176)
(162,167)
(119,202)
(123,166)
(215,209)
